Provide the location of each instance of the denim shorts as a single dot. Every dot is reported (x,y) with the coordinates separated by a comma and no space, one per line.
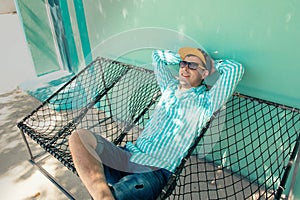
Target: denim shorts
(128,180)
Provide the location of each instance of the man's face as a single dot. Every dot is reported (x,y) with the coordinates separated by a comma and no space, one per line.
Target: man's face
(188,77)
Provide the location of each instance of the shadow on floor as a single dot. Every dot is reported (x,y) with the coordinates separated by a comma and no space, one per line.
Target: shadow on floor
(18,178)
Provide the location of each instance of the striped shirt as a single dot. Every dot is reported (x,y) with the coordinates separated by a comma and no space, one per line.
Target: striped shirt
(180,115)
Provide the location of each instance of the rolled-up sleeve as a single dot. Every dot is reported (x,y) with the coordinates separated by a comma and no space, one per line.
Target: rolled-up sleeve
(161,58)
(231,72)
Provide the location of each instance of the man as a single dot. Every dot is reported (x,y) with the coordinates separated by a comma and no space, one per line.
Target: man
(140,170)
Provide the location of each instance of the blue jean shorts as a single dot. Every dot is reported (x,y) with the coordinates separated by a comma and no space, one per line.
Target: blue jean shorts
(128,180)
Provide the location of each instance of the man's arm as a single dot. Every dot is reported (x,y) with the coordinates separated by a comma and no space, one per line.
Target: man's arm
(231,72)
(161,58)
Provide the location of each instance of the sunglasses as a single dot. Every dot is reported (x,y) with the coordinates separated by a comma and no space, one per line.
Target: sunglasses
(191,65)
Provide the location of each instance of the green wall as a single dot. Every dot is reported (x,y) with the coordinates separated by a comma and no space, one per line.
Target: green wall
(260,34)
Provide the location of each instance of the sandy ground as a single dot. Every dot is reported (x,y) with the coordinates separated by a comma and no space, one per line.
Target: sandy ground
(19,179)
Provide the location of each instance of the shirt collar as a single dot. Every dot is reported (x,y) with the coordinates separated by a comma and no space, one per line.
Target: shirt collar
(199,89)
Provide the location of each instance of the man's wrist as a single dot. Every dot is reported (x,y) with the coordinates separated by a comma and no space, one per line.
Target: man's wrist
(166,56)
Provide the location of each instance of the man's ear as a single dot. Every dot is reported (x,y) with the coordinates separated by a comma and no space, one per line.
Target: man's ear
(205,74)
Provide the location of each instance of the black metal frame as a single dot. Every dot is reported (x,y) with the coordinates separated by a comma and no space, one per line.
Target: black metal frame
(172,182)
(294,160)
(36,164)
(72,125)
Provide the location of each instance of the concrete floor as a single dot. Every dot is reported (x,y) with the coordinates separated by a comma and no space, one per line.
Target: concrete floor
(19,179)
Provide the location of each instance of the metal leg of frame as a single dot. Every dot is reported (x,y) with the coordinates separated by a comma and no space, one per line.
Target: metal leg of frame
(43,171)
(52,179)
(294,176)
(27,145)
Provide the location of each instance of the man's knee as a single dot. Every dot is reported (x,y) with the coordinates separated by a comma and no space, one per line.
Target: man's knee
(82,136)
(74,138)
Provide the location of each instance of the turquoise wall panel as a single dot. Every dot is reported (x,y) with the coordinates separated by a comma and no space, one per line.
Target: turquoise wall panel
(260,34)
(80,16)
(38,34)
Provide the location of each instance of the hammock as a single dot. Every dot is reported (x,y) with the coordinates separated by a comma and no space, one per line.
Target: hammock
(246,151)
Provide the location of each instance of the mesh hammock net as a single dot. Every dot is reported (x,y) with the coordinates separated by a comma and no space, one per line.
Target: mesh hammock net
(244,152)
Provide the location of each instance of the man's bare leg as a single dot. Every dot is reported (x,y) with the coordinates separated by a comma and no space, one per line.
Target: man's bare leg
(89,169)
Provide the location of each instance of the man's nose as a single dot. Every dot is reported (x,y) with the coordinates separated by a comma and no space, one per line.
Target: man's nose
(186,67)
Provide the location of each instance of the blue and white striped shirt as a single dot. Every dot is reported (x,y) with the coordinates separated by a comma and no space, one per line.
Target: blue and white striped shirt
(180,115)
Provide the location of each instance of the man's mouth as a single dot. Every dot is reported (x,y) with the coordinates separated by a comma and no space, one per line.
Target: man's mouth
(185,75)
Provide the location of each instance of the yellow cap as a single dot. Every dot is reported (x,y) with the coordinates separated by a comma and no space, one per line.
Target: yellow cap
(204,57)
(184,51)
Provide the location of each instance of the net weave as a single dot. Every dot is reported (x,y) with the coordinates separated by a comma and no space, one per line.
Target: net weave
(242,153)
